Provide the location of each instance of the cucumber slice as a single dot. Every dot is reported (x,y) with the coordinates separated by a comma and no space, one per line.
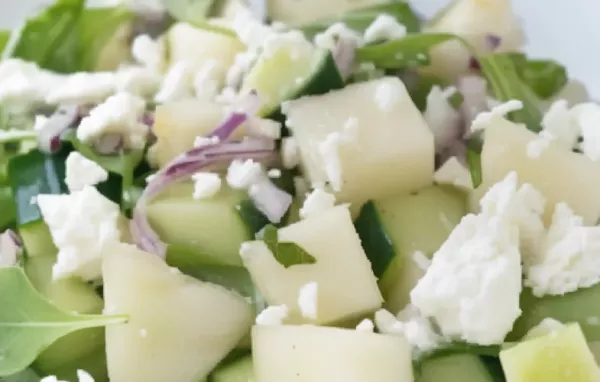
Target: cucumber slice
(197,225)
(454,368)
(37,239)
(393,229)
(290,71)
(241,370)
(299,12)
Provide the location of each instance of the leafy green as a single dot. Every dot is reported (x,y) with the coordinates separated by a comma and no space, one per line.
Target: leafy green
(474,147)
(4,37)
(506,84)
(408,52)
(286,253)
(27,375)
(544,77)
(360,19)
(195,12)
(29,323)
(8,208)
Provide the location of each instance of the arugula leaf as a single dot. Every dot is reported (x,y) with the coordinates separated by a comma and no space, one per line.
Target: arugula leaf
(408,52)
(8,208)
(544,77)
(474,147)
(4,37)
(51,38)
(29,323)
(503,78)
(360,19)
(27,375)
(286,253)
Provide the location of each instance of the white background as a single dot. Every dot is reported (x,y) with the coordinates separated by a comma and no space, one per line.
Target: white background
(567,30)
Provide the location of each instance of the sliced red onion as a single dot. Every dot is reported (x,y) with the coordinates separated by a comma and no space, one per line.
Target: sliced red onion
(11,248)
(227,127)
(344,53)
(148,118)
(269,199)
(185,165)
(63,118)
(493,42)
(474,91)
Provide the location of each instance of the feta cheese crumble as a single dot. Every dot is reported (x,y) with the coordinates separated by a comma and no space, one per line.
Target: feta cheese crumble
(384,27)
(290,155)
(339,31)
(421,260)
(483,120)
(137,80)
(272,315)
(83,88)
(120,114)
(443,120)
(148,52)
(207,81)
(329,150)
(82,172)
(81,224)
(177,83)
(317,202)
(455,173)
(206,185)
(308,300)
(84,376)
(387,96)
(410,324)
(243,174)
(365,325)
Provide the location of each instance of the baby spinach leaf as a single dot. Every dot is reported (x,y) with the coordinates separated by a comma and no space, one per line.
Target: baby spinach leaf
(27,375)
(286,253)
(29,323)
(408,52)
(506,84)
(4,37)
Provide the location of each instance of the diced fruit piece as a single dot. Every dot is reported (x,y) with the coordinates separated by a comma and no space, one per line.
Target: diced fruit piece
(347,287)
(393,230)
(81,349)
(505,150)
(562,355)
(595,349)
(177,124)
(299,12)
(459,367)
(315,354)
(370,133)
(241,370)
(475,21)
(181,220)
(289,71)
(179,328)
(37,239)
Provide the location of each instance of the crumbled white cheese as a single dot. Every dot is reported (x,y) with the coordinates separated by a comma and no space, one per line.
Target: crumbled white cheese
(588,118)
(50,378)
(269,199)
(119,114)
(384,27)
(410,324)
(148,52)
(83,88)
(455,173)
(137,80)
(9,250)
(365,325)
(206,141)
(421,260)
(536,147)
(84,376)
(560,124)
(249,30)
(22,83)
(484,119)
(329,150)
(387,323)
(206,185)
(40,122)
(274,173)
(339,31)
(81,224)
(242,63)
(272,315)
(308,300)
(243,174)
(207,81)
(290,153)
(316,202)
(81,172)
(443,120)
(292,41)
(387,96)
(177,84)
(263,128)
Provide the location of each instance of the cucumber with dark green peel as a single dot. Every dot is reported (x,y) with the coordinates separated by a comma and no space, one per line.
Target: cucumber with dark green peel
(241,370)
(459,367)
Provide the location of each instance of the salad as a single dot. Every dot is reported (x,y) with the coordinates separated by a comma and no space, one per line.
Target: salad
(294,191)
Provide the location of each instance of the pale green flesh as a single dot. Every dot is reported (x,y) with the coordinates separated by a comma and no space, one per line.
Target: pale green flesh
(454,368)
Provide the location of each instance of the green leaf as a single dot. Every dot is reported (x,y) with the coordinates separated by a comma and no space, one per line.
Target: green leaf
(27,375)
(506,84)
(544,77)
(408,52)
(195,12)
(360,19)
(7,206)
(474,147)
(51,38)
(286,253)
(32,174)
(29,323)
(4,37)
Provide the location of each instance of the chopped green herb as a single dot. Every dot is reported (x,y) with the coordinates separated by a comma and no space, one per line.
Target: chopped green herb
(474,147)
(286,253)
(544,77)
(195,12)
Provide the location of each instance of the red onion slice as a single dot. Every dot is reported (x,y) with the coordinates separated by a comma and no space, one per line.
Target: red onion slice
(11,248)
(185,165)
(59,122)
(247,106)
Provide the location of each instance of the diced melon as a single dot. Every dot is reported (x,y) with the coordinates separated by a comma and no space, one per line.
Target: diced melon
(386,147)
(562,355)
(347,287)
(177,124)
(473,20)
(299,12)
(179,328)
(211,227)
(559,174)
(317,354)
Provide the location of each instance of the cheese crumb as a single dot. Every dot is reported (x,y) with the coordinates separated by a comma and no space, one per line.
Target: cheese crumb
(483,120)
(83,88)
(272,315)
(443,120)
(81,172)
(308,300)
(206,141)
(206,185)
(148,52)
(290,155)
(339,31)
(316,202)
(416,329)
(84,376)
(243,174)
(387,96)
(274,173)
(329,150)
(40,122)
(384,27)
(177,84)
(207,83)
(365,325)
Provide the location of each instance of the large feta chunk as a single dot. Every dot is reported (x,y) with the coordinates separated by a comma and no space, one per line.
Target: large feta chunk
(384,27)
(81,224)
(206,185)
(120,114)
(82,172)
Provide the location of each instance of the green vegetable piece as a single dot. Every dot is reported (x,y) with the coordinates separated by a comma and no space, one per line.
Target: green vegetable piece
(408,52)
(51,38)
(285,252)
(506,85)
(29,323)
(195,12)
(474,147)
(360,19)
(27,375)
(544,77)
(376,242)
(4,37)
(7,206)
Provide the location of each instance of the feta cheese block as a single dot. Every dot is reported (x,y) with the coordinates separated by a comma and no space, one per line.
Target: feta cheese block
(316,354)
(347,287)
(179,328)
(558,173)
(367,133)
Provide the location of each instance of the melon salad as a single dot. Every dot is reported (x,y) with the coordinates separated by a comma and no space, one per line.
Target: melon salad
(294,191)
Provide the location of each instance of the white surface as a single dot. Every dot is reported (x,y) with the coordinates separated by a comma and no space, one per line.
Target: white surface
(568,31)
